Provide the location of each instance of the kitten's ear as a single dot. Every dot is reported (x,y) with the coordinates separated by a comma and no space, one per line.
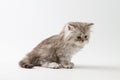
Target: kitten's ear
(70,27)
(90,24)
(67,30)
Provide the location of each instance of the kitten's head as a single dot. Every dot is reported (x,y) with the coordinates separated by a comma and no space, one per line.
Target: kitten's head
(77,32)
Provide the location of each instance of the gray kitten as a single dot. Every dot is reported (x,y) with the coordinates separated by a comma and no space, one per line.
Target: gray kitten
(56,52)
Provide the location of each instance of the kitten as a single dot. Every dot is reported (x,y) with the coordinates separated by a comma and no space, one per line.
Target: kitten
(56,51)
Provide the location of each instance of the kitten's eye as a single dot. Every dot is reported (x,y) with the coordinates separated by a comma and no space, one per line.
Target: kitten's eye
(78,37)
(86,36)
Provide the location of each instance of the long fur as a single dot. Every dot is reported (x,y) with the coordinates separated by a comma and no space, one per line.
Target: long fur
(56,51)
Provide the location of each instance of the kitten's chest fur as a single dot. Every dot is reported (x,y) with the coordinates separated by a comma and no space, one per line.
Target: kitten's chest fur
(68,49)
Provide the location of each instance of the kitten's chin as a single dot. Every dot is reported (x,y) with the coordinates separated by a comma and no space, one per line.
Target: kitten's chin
(86,42)
(79,44)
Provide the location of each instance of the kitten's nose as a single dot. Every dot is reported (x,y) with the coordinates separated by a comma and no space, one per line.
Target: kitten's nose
(82,40)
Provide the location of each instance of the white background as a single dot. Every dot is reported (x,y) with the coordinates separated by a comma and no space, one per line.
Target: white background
(25,23)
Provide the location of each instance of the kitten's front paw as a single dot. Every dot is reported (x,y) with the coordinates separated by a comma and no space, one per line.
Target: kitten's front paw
(54,65)
(68,66)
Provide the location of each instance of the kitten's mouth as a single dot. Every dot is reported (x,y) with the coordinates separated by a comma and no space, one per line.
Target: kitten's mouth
(82,41)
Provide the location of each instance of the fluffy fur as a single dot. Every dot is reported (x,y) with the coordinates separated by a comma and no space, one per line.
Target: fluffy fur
(56,52)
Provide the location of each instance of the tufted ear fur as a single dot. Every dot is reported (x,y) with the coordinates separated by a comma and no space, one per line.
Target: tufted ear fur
(70,27)
(90,24)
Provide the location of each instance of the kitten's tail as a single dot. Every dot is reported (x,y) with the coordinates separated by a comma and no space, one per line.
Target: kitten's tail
(25,63)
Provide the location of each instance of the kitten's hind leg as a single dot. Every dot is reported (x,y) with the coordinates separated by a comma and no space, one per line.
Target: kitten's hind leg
(25,63)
